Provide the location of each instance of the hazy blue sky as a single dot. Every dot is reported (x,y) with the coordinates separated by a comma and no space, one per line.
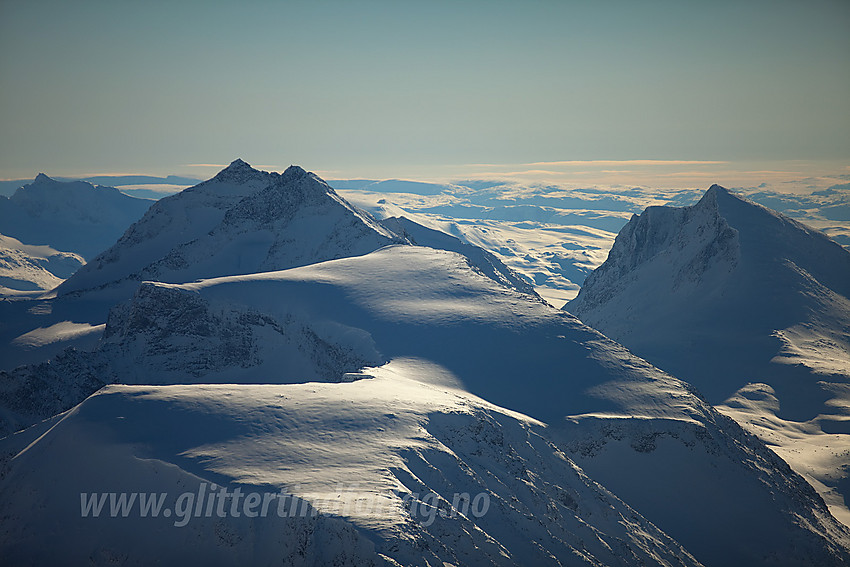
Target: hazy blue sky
(422,89)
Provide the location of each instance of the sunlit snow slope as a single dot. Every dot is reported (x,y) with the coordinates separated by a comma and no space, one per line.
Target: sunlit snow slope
(380,459)
(27,268)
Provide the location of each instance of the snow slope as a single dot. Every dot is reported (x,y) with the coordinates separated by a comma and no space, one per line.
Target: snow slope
(33,268)
(376,459)
(749,306)
(73,216)
(327,321)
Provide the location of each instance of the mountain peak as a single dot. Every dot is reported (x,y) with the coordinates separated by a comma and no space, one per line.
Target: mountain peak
(716,191)
(42,178)
(293,172)
(237,171)
(238,163)
(295,169)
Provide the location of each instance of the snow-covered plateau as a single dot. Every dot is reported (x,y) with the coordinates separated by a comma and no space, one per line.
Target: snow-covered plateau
(376,391)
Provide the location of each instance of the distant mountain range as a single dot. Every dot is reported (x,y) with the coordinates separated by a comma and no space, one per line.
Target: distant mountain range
(263,333)
(8,188)
(75,217)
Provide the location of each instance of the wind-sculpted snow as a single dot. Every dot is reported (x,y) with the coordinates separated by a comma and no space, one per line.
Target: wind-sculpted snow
(386,463)
(241,221)
(736,298)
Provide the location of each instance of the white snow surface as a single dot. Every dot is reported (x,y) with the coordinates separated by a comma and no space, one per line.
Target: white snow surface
(58,332)
(241,221)
(369,456)
(29,268)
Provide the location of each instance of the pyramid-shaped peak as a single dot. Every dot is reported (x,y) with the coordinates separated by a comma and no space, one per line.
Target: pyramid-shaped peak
(238,163)
(42,178)
(238,171)
(714,193)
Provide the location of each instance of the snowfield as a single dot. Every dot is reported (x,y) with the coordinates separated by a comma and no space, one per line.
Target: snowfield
(371,457)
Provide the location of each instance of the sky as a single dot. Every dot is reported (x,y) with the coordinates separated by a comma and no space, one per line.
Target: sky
(427,90)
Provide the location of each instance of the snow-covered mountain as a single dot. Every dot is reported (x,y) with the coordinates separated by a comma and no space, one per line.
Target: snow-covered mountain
(241,221)
(369,370)
(71,216)
(28,268)
(751,307)
(408,314)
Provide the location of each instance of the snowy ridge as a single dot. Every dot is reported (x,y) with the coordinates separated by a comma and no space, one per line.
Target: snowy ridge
(481,259)
(246,221)
(170,222)
(738,299)
(241,221)
(677,246)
